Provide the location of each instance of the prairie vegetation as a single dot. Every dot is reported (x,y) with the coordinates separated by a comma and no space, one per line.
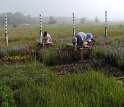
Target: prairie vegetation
(52,77)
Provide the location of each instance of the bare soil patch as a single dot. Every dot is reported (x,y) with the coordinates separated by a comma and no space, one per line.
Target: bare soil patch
(87,66)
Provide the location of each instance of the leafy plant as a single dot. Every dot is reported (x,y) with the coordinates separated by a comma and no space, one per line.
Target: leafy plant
(14,25)
(6,97)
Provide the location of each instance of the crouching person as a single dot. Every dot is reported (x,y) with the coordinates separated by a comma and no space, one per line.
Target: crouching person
(81,40)
(46,39)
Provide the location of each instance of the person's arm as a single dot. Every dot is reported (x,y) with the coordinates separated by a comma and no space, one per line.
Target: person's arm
(82,38)
(82,44)
(49,37)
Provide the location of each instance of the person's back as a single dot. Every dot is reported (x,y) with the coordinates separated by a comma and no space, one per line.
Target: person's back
(81,39)
(81,36)
(46,36)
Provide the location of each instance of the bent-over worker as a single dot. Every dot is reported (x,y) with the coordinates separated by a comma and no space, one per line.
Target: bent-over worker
(46,39)
(81,40)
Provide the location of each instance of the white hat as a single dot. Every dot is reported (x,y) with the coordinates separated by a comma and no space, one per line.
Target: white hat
(74,41)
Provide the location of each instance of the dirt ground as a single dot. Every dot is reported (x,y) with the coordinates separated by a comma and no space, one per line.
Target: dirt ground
(86,66)
(83,67)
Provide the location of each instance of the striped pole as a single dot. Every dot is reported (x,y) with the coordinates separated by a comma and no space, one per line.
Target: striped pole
(6,32)
(40,27)
(73,25)
(105,24)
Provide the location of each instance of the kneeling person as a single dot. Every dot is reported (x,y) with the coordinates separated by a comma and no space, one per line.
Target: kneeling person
(46,39)
(81,40)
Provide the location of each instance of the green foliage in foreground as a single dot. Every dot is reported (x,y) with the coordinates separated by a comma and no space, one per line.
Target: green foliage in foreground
(88,90)
(39,87)
(6,97)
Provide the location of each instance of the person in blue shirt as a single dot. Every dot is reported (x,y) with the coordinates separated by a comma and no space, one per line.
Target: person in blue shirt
(81,40)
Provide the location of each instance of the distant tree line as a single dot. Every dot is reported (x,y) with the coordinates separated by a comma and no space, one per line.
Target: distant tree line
(84,20)
(19,18)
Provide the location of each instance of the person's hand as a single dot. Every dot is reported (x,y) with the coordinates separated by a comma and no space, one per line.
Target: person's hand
(93,40)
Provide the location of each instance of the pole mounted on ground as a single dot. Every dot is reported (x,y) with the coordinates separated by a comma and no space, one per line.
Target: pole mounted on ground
(73,24)
(40,26)
(6,31)
(105,24)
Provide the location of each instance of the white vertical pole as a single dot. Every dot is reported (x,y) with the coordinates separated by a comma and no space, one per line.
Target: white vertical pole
(73,25)
(6,32)
(40,27)
(105,24)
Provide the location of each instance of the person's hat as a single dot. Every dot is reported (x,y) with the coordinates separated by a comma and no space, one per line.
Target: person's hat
(89,36)
(74,41)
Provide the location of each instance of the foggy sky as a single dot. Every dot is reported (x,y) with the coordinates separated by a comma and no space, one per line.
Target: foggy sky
(81,8)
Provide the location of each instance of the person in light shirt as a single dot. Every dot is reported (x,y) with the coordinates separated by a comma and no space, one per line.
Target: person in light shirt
(81,40)
(46,39)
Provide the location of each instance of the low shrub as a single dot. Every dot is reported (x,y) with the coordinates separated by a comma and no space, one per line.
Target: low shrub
(6,97)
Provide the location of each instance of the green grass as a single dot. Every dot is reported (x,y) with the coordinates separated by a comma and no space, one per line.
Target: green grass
(39,87)
(27,35)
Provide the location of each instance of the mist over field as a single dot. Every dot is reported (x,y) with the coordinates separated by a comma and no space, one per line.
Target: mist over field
(59,8)
(19,18)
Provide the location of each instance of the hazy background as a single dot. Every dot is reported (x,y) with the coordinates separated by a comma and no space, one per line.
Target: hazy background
(82,8)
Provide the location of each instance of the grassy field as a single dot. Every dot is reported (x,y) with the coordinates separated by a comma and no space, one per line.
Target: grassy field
(28,82)
(23,35)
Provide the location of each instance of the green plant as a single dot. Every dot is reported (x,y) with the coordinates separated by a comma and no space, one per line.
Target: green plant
(91,89)
(6,97)
(14,25)
(52,58)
